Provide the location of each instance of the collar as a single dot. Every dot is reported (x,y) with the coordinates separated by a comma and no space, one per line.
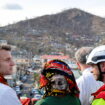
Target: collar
(3,80)
(87,70)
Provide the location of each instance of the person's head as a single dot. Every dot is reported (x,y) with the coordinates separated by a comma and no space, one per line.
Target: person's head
(97,58)
(81,55)
(6,62)
(58,79)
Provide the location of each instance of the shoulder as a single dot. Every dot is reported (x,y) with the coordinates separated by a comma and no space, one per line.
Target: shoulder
(98,102)
(72,100)
(7,94)
(47,100)
(86,77)
(79,79)
(41,102)
(101,95)
(4,88)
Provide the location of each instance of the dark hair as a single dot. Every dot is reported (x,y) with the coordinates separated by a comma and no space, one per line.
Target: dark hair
(5,47)
(82,53)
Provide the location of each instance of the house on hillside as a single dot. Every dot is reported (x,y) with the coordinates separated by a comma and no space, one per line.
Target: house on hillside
(50,57)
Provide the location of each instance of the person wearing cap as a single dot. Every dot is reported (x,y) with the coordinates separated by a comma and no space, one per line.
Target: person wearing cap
(7,94)
(59,83)
(97,58)
(87,83)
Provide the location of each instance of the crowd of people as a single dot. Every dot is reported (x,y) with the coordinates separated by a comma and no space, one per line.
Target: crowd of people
(58,81)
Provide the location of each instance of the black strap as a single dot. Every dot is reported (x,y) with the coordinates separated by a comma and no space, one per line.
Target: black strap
(103,72)
(100,75)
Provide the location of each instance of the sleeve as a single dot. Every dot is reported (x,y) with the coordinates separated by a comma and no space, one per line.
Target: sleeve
(10,98)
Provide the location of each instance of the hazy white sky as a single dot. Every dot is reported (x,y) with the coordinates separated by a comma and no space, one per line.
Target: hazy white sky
(16,10)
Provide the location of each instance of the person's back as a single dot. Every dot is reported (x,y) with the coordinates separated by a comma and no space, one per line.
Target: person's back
(86,83)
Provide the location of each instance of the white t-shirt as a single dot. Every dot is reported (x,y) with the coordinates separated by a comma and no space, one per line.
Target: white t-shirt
(87,85)
(8,96)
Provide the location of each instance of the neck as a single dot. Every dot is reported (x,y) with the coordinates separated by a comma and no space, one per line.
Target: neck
(83,67)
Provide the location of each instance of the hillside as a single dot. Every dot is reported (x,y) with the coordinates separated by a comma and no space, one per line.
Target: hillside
(61,32)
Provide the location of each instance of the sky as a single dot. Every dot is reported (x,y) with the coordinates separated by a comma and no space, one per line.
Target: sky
(12,11)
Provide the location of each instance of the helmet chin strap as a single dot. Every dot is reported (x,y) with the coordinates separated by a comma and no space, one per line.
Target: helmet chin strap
(101,73)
